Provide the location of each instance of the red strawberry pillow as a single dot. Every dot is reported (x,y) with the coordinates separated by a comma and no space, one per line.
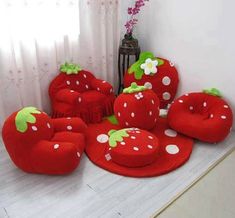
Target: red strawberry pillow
(157,74)
(204,116)
(137,106)
(38,144)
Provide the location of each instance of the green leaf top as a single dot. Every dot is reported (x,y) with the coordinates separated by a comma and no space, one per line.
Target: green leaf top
(134,88)
(25,116)
(70,68)
(135,68)
(116,136)
(112,119)
(213,91)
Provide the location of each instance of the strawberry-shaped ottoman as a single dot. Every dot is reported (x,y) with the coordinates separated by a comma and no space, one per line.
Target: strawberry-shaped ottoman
(78,93)
(38,144)
(133,147)
(137,106)
(135,152)
(204,116)
(157,74)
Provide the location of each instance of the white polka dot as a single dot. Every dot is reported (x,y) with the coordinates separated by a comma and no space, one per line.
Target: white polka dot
(56,146)
(191,108)
(150,113)
(135,148)
(150,146)
(87,86)
(133,137)
(211,116)
(110,149)
(155,120)
(127,124)
(69,127)
(68,82)
(125,104)
(166,81)
(172,149)
(79,99)
(102,138)
(84,75)
(172,64)
(181,101)
(48,125)
(78,154)
(204,104)
(119,114)
(77,82)
(122,143)
(71,90)
(151,137)
(34,128)
(108,157)
(68,118)
(132,114)
(148,85)
(152,101)
(223,117)
(170,133)
(186,94)
(111,90)
(98,89)
(103,81)
(166,96)
(137,131)
(225,106)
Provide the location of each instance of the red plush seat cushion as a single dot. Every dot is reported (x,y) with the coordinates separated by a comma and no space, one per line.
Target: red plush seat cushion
(201,116)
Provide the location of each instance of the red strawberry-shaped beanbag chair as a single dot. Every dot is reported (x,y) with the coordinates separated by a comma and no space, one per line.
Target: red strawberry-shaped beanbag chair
(77,93)
(140,154)
(204,116)
(157,74)
(138,107)
(133,147)
(38,144)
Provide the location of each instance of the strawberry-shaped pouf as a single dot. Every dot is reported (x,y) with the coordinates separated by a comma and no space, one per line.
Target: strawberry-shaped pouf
(133,147)
(204,116)
(38,144)
(78,93)
(157,74)
(135,152)
(138,107)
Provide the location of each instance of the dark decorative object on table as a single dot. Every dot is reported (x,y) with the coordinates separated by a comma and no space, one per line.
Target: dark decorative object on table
(128,48)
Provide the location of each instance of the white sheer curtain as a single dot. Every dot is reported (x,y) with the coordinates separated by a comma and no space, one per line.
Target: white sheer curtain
(38,35)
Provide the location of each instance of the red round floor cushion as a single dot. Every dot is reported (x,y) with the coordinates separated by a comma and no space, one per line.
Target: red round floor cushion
(137,107)
(38,144)
(164,82)
(202,116)
(133,147)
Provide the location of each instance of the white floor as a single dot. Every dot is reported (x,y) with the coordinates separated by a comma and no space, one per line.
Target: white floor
(93,192)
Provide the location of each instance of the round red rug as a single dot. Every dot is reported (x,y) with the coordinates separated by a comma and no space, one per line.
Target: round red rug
(175,149)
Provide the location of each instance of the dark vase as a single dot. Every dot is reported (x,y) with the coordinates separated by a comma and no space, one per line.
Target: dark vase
(129,41)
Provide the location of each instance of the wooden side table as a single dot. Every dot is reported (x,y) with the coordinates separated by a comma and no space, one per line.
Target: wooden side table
(128,48)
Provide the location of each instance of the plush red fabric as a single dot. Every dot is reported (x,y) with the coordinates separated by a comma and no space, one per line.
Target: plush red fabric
(201,116)
(132,154)
(139,109)
(174,150)
(164,83)
(47,146)
(81,95)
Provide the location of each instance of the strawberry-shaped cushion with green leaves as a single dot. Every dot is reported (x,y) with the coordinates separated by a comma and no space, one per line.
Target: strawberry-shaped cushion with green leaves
(78,93)
(135,152)
(155,73)
(133,147)
(202,115)
(38,144)
(137,106)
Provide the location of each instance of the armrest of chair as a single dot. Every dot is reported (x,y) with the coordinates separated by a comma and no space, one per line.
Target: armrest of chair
(68,96)
(101,86)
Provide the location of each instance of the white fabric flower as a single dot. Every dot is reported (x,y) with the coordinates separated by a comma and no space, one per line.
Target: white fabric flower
(150,66)
(139,96)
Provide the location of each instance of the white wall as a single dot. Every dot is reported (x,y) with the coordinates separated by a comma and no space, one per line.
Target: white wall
(198,35)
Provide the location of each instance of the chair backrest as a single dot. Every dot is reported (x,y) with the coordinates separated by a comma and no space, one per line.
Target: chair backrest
(80,82)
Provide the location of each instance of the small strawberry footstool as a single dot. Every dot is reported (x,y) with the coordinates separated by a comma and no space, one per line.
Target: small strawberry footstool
(38,144)
(157,74)
(204,116)
(138,107)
